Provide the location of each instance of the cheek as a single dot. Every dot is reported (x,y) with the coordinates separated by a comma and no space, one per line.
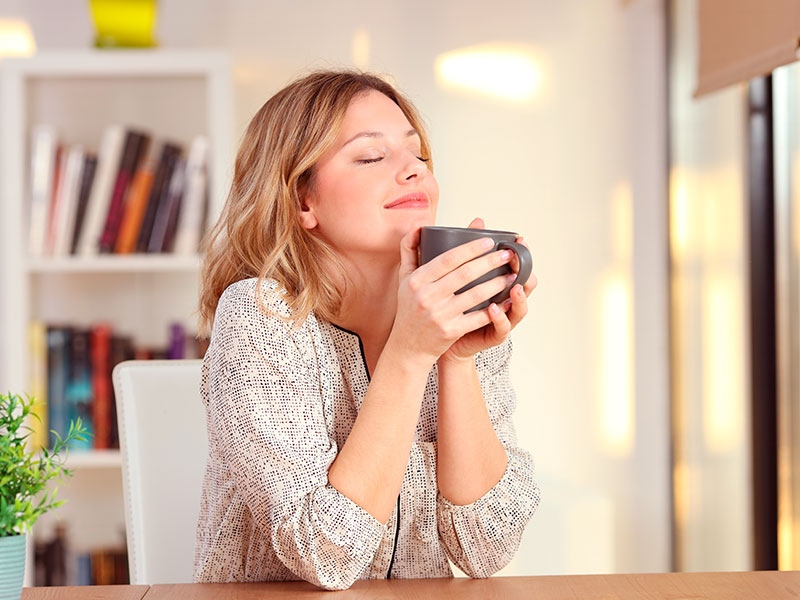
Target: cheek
(433,191)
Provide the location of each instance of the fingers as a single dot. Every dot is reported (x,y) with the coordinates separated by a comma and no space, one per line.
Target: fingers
(408,249)
(474,320)
(454,258)
(502,324)
(477,223)
(480,293)
(519,305)
(469,272)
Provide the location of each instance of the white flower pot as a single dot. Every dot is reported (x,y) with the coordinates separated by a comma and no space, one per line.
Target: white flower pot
(12,566)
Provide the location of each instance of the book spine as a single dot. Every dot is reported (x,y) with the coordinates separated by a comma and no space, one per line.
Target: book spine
(57,343)
(108,159)
(55,197)
(101,385)
(135,209)
(168,208)
(87,178)
(134,144)
(37,336)
(195,199)
(68,203)
(177,342)
(43,145)
(121,349)
(78,395)
(160,181)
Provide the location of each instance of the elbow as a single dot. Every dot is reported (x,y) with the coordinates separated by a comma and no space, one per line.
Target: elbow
(334,584)
(484,568)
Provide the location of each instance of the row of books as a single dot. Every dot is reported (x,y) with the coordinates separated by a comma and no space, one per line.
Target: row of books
(57,565)
(71,374)
(132,195)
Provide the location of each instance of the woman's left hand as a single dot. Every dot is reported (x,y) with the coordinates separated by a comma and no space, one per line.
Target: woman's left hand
(503,318)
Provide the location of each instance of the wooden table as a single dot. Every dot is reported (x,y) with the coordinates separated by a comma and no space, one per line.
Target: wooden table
(759,585)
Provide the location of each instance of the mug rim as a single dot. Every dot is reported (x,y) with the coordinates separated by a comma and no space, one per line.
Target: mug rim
(445,228)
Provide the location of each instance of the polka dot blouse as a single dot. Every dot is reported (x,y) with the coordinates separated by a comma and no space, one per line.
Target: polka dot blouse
(279,404)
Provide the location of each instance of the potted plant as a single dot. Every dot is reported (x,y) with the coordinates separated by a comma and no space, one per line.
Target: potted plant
(24,478)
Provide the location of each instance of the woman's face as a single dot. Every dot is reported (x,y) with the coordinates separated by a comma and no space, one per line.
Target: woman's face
(371,185)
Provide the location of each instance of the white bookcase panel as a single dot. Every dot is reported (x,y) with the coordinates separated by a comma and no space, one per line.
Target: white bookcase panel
(174,95)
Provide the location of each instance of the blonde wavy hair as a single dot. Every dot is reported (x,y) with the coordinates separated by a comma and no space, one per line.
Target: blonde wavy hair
(259,233)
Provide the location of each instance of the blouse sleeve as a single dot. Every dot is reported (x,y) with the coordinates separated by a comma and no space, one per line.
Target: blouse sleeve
(265,406)
(482,537)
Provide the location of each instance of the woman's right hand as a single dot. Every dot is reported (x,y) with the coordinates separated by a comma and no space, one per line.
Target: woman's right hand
(430,316)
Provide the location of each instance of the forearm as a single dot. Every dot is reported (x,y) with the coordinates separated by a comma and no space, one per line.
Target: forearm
(370,466)
(470,457)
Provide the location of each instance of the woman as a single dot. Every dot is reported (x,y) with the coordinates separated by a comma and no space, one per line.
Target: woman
(359,423)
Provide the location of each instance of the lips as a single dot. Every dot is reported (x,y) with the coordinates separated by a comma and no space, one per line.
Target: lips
(413,200)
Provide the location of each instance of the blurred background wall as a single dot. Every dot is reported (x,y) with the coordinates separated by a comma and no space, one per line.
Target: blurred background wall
(579,166)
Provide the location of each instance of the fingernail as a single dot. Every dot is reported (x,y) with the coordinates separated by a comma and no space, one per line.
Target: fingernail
(493,308)
(506,254)
(487,243)
(511,277)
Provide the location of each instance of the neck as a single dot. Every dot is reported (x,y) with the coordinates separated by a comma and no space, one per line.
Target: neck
(369,307)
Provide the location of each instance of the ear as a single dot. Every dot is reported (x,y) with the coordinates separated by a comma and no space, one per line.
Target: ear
(308,218)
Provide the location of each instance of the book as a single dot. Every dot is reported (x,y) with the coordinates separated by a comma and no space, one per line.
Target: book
(194,206)
(59,167)
(37,341)
(78,395)
(164,168)
(121,349)
(43,156)
(136,206)
(135,146)
(57,348)
(176,347)
(67,204)
(100,354)
(108,158)
(168,208)
(87,178)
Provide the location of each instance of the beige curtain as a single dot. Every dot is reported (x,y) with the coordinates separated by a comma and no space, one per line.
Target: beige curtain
(742,39)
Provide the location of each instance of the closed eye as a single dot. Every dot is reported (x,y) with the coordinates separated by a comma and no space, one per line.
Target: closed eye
(366,161)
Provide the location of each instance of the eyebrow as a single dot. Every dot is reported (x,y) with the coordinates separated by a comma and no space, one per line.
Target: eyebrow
(376,134)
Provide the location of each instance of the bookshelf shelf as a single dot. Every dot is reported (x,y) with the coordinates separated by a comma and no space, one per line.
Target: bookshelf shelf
(176,96)
(94,459)
(157,263)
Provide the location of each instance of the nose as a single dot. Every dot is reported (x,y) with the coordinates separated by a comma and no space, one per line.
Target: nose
(412,169)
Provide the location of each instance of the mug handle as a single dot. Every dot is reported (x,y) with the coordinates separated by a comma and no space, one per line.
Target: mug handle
(525,262)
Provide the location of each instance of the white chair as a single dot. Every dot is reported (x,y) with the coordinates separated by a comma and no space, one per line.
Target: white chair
(162,434)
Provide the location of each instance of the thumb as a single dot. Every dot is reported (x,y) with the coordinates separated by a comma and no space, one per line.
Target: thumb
(408,249)
(477,223)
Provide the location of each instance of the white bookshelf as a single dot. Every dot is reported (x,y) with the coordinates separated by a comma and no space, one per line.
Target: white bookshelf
(132,263)
(94,459)
(174,94)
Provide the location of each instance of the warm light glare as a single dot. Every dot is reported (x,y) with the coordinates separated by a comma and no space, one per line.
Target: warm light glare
(617,365)
(16,38)
(723,402)
(796,202)
(785,547)
(622,220)
(679,213)
(680,481)
(508,72)
(359,49)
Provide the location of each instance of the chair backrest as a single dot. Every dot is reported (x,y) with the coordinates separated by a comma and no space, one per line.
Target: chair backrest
(162,434)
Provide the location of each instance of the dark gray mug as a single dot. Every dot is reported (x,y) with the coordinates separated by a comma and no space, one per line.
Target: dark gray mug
(436,240)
